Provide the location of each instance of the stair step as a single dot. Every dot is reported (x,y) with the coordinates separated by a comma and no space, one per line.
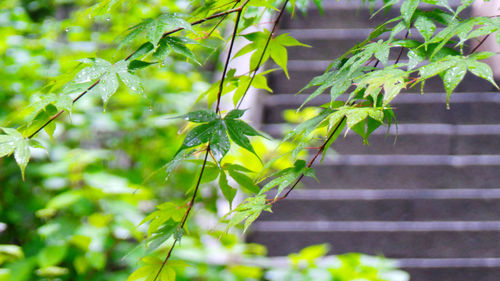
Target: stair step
(331,43)
(345,14)
(385,209)
(395,194)
(465,108)
(392,239)
(456,269)
(414,139)
(376,226)
(454,273)
(406,172)
(300,78)
(291,100)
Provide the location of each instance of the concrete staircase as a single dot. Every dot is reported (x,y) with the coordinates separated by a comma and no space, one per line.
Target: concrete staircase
(430,200)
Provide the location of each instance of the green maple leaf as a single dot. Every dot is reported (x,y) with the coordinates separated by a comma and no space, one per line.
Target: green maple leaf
(15,142)
(155,28)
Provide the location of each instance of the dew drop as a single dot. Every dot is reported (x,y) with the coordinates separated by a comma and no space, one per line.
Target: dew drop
(150,108)
(108,19)
(67,29)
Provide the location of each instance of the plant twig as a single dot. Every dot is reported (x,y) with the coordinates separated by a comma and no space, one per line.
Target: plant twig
(208,151)
(219,22)
(275,26)
(62,111)
(214,16)
(228,58)
(186,214)
(480,43)
(401,50)
(311,162)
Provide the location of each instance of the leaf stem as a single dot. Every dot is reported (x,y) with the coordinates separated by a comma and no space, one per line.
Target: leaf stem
(275,26)
(214,16)
(401,50)
(219,22)
(61,112)
(186,214)
(311,162)
(480,43)
(228,58)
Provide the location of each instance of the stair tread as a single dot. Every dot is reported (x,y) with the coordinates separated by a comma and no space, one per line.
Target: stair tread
(413,160)
(395,194)
(437,243)
(375,226)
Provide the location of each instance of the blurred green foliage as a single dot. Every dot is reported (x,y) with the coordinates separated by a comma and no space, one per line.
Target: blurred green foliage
(77,215)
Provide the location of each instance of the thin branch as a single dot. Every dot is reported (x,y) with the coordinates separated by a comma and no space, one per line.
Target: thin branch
(275,26)
(214,16)
(219,22)
(226,64)
(186,214)
(311,162)
(198,183)
(401,51)
(480,43)
(61,112)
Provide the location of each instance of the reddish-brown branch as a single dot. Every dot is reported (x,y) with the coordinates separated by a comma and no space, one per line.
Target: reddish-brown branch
(311,162)
(480,43)
(219,22)
(62,111)
(186,214)
(401,51)
(228,58)
(214,16)
(259,63)
(208,151)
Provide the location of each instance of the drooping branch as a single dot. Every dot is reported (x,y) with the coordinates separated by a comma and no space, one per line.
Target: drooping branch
(259,63)
(311,162)
(480,43)
(186,214)
(214,16)
(198,183)
(62,111)
(226,64)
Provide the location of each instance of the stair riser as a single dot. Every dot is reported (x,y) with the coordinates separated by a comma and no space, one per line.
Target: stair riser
(460,113)
(386,210)
(404,177)
(455,274)
(342,18)
(436,244)
(299,79)
(420,144)
(345,17)
(416,144)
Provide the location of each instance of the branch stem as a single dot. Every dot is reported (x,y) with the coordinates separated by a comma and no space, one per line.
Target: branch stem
(62,111)
(480,43)
(273,31)
(198,183)
(228,59)
(311,162)
(401,51)
(186,214)
(214,16)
